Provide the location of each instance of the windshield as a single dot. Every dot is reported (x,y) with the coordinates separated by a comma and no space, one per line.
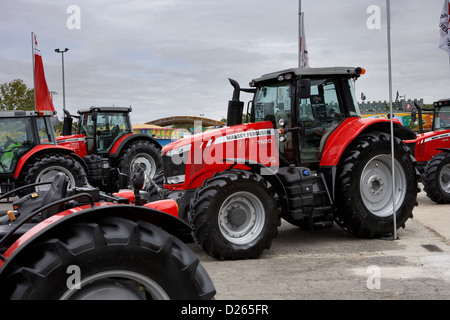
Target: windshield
(272,103)
(16,138)
(442,120)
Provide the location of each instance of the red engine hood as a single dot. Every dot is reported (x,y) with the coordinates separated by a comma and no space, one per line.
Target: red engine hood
(221,132)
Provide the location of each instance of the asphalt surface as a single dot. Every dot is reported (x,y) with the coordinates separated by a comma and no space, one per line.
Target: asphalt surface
(333,265)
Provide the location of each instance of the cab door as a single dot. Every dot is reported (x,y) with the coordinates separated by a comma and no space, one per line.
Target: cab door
(318,116)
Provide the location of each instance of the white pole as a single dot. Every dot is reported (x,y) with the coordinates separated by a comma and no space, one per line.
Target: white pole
(300,49)
(394,217)
(32,58)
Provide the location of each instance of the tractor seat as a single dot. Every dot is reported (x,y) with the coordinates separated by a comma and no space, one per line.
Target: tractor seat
(57,191)
(35,200)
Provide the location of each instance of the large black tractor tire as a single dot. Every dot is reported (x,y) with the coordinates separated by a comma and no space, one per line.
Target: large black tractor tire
(364,197)
(44,168)
(140,153)
(107,259)
(436,178)
(234,215)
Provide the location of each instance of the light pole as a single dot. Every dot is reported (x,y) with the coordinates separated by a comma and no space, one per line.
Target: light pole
(64,89)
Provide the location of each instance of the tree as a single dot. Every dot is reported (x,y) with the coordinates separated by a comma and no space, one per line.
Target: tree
(16,96)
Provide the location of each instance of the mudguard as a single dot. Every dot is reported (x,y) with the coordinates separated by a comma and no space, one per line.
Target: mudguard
(45,148)
(338,141)
(166,221)
(122,141)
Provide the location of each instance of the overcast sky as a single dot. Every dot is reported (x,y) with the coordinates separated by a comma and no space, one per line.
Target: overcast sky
(173,57)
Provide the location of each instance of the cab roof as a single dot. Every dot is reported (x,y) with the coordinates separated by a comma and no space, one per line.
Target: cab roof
(22,113)
(443,102)
(105,109)
(351,71)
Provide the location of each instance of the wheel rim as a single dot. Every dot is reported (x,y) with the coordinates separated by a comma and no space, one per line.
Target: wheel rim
(116,285)
(144,161)
(376,186)
(241,217)
(49,174)
(444,178)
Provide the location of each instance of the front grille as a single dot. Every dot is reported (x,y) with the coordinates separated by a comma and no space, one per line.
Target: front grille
(175,165)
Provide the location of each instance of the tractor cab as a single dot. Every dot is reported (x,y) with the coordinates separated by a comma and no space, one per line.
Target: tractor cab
(441,119)
(305,109)
(21,131)
(103,126)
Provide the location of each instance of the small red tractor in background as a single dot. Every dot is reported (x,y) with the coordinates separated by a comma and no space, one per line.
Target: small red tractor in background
(29,152)
(306,156)
(105,141)
(82,244)
(432,152)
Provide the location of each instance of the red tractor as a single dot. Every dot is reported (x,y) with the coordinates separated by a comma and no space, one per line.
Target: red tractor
(432,152)
(82,244)
(306,156)
(105,140)
(29,152)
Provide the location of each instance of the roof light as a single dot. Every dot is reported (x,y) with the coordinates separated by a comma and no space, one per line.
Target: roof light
(360,71)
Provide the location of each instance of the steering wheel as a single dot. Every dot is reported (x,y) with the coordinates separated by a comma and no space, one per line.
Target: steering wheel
(8,142)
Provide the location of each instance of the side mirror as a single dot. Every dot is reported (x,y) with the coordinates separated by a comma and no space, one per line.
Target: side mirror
(94,116)
(413,115)
(304,88)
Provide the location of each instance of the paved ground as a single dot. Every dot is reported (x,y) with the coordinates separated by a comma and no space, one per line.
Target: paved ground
(330,264)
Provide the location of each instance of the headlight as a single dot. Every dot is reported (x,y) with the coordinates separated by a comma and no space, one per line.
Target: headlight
(176,179)
(178,151)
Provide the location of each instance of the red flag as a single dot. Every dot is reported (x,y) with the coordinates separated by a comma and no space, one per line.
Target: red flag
(43,99)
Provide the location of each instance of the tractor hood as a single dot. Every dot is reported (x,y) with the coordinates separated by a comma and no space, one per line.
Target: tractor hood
(224,134)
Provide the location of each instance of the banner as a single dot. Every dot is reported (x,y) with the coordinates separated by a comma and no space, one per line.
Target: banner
(43,100)
(444,24)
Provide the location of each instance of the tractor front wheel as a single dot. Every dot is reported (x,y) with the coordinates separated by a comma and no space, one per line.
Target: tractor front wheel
(141,154)
(45,168)
(436,178)
(234,215)
(365,200)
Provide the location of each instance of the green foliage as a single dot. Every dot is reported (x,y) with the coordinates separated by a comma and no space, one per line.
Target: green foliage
(16,96)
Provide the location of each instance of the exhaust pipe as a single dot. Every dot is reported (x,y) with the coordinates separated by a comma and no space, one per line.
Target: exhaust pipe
(235,106)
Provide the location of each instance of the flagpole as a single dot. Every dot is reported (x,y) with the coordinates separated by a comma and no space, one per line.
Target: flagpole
(34,75)
(394,217)
(300,49)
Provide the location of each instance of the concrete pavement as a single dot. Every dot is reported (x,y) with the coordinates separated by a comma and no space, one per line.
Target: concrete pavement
(434,216)
(333,265)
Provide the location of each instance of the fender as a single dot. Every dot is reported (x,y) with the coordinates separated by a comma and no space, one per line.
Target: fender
(86,213)
(122,141)
(428,144)
(338,141)
(45,148)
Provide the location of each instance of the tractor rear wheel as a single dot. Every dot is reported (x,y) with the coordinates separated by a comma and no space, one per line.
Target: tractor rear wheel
(109,258)
(140,154)
(364,199)
(45,168)
(436,178)
(234,215)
